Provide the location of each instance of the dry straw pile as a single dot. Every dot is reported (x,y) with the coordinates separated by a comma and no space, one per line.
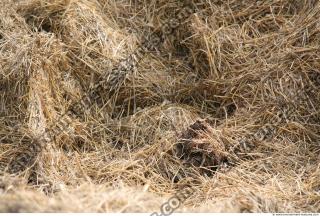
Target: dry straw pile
(196,111)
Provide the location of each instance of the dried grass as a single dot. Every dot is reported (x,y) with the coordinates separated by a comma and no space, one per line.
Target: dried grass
(198,111)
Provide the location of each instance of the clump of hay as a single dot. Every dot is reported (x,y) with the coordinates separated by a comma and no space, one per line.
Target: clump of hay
(227,104)
(194,147)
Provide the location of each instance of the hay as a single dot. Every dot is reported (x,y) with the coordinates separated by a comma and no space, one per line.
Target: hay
(227,104)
